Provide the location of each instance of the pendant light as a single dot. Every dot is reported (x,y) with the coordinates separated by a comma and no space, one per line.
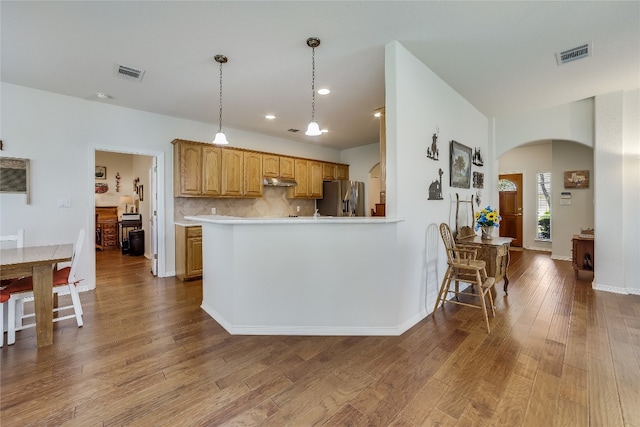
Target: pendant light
(313,129)
(220,138)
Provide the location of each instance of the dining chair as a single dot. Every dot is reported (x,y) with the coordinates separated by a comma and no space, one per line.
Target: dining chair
(64,282)
(464,267)
(4,296)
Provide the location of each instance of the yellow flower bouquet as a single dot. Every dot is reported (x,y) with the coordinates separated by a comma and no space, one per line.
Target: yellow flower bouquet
(487,217)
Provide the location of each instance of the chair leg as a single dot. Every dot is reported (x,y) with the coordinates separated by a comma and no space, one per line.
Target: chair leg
(12,319)
(77,307)
(482,303)
(2,324)
(446,281)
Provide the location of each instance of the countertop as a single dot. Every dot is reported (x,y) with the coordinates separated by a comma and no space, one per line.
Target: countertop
(221,219)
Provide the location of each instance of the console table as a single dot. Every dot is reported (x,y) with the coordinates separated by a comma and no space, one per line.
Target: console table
(495,252)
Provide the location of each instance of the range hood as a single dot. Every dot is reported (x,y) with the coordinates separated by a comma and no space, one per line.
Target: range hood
(279,182)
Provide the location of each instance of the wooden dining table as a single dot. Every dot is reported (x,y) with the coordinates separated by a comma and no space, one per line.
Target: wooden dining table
(38,262)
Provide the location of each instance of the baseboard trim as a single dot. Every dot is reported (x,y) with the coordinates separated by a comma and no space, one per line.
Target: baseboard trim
(311,330)
(612,289)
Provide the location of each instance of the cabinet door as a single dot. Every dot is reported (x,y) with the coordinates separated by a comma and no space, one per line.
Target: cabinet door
(232,172)
(211,165)
(342,171)
(301,172)
(271,165)
(315,180)
(287,167)
(252,174)
(328,171)
(194,256)
(189,170)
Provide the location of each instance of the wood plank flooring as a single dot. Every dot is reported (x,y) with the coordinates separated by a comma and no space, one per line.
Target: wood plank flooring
(559,354)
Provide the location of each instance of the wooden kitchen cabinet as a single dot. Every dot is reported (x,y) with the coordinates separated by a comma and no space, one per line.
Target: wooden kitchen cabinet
(252,174)
(271,165)
(232,172)
(196,169)
(287,167)
(188,252)
(342,171)
(309,178)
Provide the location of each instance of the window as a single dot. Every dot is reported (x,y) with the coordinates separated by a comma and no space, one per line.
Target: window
(544,205)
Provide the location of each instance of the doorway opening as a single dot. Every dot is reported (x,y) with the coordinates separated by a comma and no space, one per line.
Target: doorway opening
(510,199)
(130,182)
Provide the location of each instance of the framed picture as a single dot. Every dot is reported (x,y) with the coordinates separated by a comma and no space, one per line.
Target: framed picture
(141,192)
(576,179)
(101,172)
(478,180)
(460,165)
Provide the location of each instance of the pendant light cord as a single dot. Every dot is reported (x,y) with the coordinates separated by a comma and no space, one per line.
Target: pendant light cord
(220,117)
(313,83)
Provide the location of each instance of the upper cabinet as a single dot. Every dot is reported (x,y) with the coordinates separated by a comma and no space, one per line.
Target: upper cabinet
(205,170)
(196,169)
(309,178)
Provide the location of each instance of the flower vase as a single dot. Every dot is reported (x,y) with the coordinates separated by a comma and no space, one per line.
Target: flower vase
(487,232)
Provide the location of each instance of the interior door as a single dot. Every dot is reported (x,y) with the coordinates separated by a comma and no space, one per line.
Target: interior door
(153,216)
(511,208)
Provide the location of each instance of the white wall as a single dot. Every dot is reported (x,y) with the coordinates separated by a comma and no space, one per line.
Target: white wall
(567,220)
(418,102)
(529,161)
(60,135)
(555,157)
(609,124)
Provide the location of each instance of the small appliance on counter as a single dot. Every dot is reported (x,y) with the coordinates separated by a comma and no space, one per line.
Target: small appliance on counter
(341,198)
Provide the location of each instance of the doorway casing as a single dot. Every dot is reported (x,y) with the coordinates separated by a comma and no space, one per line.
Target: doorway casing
(160,193)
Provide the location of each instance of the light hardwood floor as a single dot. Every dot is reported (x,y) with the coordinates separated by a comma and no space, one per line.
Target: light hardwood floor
(559,354)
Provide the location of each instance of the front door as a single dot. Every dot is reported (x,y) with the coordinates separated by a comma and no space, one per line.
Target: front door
(511,207)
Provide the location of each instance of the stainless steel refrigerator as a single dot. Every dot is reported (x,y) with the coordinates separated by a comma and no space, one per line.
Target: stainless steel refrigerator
(341,198)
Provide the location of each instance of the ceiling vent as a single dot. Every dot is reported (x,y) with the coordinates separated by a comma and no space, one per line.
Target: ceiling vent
(573,54)
(129,73)
(293,130)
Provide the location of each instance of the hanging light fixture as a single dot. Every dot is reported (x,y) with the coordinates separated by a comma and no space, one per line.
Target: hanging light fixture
(220,138)
(313,129)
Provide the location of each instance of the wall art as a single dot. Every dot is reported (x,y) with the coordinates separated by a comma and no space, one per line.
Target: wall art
(433,152)
(435,189)
(460,165)
(576,179)
(477,157)
(101,172)
(478,180)
(14,176)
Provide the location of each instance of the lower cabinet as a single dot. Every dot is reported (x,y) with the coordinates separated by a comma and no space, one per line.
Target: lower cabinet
(188,252)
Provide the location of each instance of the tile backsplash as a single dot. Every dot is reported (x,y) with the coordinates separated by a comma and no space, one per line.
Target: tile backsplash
(272,204)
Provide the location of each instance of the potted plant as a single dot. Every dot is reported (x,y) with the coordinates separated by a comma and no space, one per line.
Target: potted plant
(486,220)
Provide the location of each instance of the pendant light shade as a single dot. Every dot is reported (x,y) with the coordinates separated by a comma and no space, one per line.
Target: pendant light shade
(313,129)
(220,138)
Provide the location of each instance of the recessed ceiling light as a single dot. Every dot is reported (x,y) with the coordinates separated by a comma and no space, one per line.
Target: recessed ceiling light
(103,95)
(324,130)
(324,91)
(269,117)
(377,114)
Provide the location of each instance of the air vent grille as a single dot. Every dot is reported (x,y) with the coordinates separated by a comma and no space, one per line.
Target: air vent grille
(129,73)
(293,130)
(574,54)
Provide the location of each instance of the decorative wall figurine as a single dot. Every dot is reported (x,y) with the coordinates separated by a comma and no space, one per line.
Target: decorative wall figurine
(478,198)
(477,157)
(117,182)
(135,184)
(433,152)
(435,189)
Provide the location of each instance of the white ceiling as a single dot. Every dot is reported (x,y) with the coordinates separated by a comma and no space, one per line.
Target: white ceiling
(499,55)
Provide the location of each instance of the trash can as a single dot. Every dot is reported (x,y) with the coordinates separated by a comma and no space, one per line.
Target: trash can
(136,242)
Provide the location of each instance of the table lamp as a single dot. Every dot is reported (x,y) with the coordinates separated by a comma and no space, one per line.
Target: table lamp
(126,201)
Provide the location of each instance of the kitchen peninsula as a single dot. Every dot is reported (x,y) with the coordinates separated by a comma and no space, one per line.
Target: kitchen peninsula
(301,276)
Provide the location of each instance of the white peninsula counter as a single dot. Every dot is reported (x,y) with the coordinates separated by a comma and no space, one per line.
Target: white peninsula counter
(301,276)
